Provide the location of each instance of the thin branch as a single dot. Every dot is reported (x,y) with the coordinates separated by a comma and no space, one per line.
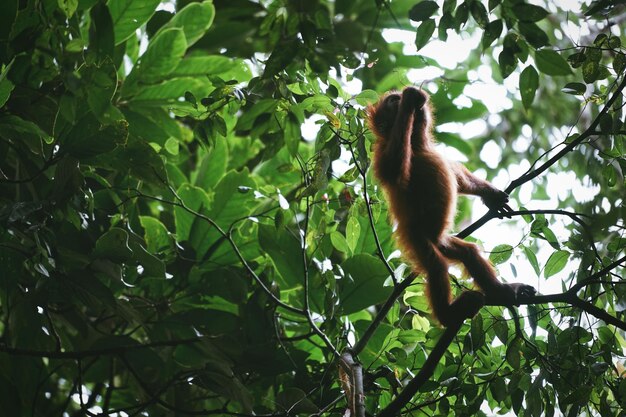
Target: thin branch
(234,246)
(590,131)
(424,374)
(380,316)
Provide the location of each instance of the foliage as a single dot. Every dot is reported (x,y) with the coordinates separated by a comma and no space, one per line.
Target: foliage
(170,244)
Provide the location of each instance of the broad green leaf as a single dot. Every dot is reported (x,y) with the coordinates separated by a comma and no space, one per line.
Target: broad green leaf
(556,263)
(195,199)
(461,14)
(513,356)
(424,33)
(169,92)
(214,65)
(574,88)
(102,87)
(339,242)
(493,4)
(68,7)
(156,234)
(551,63)
(267,105)
(89,138)
(229,205)
(533,34)
(363,284)
(619,63)
(507,62)
(194,19)
(282,56)
(532,259)
(500,254)
(366,97)
(318,102)
(479,13)
(423,10)
(491,33)
(163,55)
(293,135)
(130,15)
(285,250)
(353,230)
(113,245)
(11,123)
(528,84)
(529,12)
(101,35)
(213,166)
(591,71)
(6,86)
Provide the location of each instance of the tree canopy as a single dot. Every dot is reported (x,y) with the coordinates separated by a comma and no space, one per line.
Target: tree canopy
(190,225)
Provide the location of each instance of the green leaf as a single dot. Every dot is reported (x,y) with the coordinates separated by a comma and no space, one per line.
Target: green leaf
(162,57)
(591,71)
(619,63)
(68,7)
(113,245)
(247,119)
(363,284)
(367,97)
(282,55)
(285,251)
(507,62)
(194,19)
(11,123)
(424,33)
(479,13)
(101,35)
(423,10)
(461,15)
(195,199)
(556,263)
(528,84)
(353,230)
(130,15)
(533,34)
(6,86)
(339,242)
(513,353)
(574,88)
(492,4)
(156,234)
(501,254)
(532,259)
(529,12)
(614,43)
(551,63)
(491,33)
(293,135)
(213,65)
(89,138)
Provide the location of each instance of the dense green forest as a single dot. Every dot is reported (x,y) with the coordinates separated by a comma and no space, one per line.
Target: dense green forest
(190,225)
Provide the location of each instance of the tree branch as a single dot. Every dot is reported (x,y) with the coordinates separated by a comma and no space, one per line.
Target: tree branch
(590,131)
(424,374)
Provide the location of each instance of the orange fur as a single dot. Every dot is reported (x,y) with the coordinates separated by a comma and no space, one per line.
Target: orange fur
(421,187)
